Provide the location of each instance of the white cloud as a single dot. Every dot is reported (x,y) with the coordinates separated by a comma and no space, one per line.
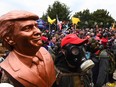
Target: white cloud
(40,6)
(93,5)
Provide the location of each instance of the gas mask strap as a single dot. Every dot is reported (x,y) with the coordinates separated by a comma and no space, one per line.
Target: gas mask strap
(60,74)
(69,64)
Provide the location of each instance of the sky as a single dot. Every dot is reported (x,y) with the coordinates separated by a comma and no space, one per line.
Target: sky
(40,6)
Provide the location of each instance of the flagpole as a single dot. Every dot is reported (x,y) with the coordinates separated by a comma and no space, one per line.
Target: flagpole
(48,18)
(49,28)
(75,26)
(57,22)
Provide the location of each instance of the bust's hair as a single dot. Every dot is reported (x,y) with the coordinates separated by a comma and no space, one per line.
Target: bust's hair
(7,29)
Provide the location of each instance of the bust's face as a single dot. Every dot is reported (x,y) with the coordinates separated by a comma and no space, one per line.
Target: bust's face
(27,35)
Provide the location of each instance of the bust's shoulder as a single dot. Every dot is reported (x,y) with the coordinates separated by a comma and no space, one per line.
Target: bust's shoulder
(43,50)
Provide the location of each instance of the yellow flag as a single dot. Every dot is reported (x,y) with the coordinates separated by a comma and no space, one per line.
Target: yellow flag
(50,20)
(75,20)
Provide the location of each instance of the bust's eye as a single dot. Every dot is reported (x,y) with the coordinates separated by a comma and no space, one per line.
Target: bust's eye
(27,28)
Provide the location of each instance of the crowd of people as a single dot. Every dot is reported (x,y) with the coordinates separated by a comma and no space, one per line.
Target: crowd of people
(56,58)
(100,48)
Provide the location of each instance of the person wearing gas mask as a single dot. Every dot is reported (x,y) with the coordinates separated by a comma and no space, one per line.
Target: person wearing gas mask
(71,63)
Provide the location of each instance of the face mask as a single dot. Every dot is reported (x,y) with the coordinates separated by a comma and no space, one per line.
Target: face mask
(75,56)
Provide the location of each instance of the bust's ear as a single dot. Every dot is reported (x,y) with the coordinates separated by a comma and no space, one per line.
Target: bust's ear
(9,40)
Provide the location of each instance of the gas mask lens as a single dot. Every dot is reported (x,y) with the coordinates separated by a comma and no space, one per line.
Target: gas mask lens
(75,51)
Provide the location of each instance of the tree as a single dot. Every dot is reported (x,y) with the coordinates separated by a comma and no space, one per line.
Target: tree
(59,9)
(102,17)
(85,17)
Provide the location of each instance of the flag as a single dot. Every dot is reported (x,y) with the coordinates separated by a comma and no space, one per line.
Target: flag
(50,20)
(113,26)
(75,20)
(59,23)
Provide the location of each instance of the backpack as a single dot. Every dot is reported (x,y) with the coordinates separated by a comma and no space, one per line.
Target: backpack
(112,62)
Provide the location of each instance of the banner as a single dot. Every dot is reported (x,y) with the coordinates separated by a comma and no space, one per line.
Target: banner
(41,24)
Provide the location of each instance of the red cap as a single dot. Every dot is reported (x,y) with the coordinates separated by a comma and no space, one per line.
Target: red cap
(104,41)
(98,35)
(44,38)
(72,39)
(97,38)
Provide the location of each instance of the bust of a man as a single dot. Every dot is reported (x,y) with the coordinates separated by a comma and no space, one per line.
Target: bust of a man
(28,63)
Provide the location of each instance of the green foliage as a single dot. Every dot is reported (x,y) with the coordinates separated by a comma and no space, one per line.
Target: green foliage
(59,9)
(100,17)
(85,18)
(44,17)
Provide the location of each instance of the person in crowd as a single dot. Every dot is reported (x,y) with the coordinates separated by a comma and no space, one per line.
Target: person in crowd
(93,47)
(103,71)
(45,41)
(102,58)
(28,64)
(52,42)
(113,48)
(71,63)
(47,47)
(52,45)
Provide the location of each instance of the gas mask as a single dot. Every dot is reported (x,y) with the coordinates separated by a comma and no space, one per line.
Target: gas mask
(75,57)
